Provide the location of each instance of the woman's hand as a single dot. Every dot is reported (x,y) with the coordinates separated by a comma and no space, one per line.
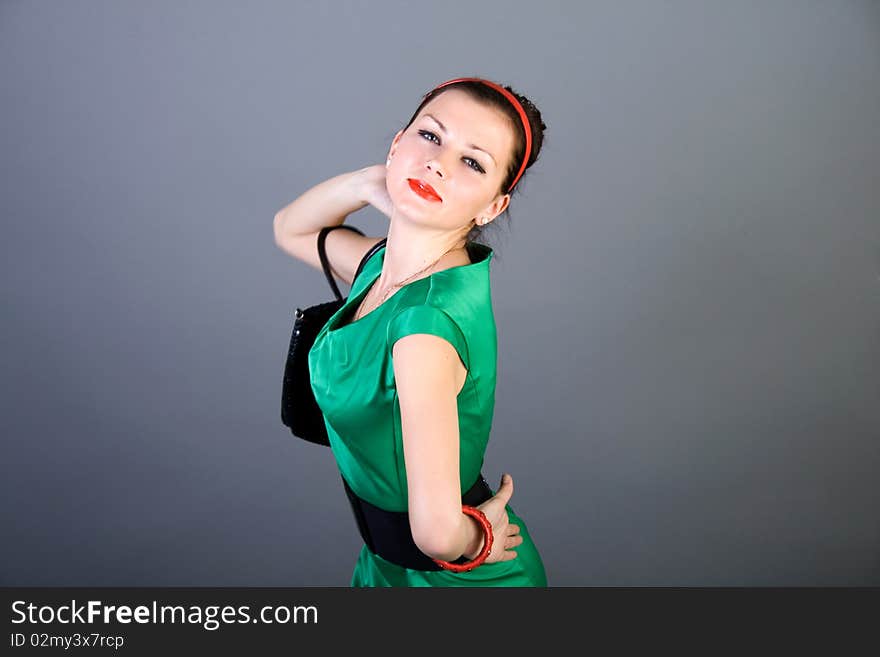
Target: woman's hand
(504,536)
(374,190)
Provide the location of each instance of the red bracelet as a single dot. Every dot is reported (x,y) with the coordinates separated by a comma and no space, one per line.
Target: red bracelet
(480,517)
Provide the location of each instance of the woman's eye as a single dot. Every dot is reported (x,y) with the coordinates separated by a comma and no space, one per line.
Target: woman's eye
(473,164)
(476,165)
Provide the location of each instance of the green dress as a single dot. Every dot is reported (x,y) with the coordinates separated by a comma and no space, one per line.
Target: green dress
(352,377)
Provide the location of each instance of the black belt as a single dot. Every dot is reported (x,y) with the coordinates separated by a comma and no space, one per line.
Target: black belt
(388,534)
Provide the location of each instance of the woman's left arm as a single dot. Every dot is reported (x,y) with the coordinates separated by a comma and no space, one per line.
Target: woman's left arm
(427,372)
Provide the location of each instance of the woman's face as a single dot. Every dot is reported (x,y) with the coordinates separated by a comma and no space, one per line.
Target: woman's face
(462,149)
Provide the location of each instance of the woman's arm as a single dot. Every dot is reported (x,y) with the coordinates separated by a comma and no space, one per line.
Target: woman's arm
(427,372)
(296,226)
(326,204)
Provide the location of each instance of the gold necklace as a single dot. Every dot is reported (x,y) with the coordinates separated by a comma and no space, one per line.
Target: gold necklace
(358,315)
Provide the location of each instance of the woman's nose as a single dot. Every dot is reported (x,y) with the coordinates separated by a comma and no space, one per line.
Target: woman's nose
(434,166)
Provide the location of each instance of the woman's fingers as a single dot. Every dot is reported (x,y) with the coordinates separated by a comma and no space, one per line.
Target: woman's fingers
(512,542)
(513,537)
(495,509)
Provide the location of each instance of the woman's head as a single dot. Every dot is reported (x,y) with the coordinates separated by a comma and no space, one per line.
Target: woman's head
(467,141)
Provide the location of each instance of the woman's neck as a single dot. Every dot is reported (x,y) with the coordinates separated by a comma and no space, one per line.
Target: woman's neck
(410,250)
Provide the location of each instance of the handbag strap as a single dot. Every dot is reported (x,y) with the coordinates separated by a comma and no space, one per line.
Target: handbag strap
(325,264)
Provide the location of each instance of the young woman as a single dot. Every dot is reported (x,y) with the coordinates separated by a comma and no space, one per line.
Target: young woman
(405,371)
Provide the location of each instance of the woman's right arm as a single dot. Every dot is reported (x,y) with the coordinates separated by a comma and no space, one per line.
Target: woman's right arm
(296,226)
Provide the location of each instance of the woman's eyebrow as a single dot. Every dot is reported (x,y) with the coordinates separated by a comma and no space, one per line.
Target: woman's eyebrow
(474,146)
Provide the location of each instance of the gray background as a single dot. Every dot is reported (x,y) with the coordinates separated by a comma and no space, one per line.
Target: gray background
(687,298)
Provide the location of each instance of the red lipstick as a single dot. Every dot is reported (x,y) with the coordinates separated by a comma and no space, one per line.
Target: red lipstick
(423,189)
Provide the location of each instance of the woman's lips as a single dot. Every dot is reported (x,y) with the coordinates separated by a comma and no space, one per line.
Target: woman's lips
(423,189)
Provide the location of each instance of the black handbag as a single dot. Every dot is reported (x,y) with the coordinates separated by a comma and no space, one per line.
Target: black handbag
(299,410)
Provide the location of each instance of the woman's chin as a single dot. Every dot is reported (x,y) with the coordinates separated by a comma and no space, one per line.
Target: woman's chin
(414,208)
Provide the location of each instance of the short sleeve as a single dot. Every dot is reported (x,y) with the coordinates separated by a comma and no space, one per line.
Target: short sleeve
(428,319)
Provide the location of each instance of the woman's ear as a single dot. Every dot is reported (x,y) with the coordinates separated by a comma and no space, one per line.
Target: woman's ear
(495,208)
(394,144)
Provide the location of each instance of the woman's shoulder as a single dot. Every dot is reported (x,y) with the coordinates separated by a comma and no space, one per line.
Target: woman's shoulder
(462,318)
(467,310)
(461,291)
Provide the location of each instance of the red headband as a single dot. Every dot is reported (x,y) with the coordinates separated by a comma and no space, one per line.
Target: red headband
(519,109)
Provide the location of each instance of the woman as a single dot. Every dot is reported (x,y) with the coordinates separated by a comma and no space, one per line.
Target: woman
(405,371)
